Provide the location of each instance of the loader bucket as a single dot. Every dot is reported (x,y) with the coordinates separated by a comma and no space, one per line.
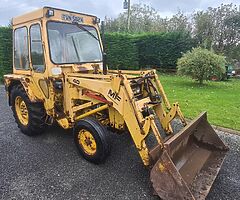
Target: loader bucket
(189,162)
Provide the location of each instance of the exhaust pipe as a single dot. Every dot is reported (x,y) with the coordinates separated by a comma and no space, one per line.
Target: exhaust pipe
(104,55)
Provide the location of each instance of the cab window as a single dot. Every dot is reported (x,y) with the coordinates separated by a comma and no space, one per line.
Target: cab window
(21,54)
(37,56)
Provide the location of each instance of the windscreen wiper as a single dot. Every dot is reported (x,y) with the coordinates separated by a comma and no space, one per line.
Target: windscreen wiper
(75,48)
(84,29)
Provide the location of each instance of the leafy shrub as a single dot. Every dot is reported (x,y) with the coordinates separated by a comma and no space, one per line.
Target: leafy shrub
(201,64)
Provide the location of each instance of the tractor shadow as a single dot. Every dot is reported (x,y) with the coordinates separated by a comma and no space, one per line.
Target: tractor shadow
(122,175)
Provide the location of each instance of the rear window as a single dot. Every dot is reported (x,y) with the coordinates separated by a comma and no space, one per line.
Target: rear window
(21,54)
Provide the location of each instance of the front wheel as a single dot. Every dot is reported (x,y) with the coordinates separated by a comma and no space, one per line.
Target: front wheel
(91,140)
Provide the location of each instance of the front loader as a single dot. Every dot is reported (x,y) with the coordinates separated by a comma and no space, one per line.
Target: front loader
(59,74)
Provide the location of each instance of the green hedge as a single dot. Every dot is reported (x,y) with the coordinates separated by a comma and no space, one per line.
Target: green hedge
(5,51)
(134,51)
(163,49)
(124,51)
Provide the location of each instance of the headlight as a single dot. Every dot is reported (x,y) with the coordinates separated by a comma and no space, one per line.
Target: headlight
(136,89)
(50,13)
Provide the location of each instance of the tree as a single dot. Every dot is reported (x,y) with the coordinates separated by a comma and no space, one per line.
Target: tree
(146,19)
(179,22)
(201,64)
(218,28)
(143,19)
(203,30)
(225,34)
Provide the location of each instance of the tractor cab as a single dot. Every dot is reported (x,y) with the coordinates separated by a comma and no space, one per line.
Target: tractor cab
(48,38)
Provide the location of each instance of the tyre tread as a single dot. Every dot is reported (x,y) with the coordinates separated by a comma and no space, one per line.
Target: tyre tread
(37,114)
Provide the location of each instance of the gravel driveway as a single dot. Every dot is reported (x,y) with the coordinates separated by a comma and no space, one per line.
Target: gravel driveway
(49,167)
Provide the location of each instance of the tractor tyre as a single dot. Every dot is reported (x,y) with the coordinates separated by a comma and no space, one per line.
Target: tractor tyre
(91,140)
(29,116)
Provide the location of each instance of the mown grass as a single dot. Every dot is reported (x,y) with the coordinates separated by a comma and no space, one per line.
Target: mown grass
(220,99)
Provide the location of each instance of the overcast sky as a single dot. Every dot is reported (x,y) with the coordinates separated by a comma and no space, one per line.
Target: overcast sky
(101,8)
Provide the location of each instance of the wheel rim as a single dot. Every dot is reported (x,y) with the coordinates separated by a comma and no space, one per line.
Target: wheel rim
(87,142)
(21,110)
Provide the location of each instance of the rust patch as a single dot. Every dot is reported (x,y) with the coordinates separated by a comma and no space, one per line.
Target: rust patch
(189,163)
(161,167)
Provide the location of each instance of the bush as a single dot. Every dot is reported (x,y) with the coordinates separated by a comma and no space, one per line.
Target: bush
(5,51)
(201,64)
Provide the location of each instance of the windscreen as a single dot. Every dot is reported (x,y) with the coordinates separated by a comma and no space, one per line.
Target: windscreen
(72,43)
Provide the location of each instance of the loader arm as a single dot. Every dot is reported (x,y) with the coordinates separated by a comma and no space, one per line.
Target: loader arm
(122,100)
(115,90)
(179,161)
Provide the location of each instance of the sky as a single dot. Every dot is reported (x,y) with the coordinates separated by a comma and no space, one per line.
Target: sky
(102,8)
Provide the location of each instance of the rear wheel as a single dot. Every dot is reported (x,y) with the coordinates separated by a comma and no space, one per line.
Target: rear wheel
(91,140)
(29,116)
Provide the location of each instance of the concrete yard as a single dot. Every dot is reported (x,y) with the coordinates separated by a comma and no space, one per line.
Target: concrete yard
(49,167)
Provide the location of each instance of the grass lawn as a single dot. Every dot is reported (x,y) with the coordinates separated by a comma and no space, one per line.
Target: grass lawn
(220,99)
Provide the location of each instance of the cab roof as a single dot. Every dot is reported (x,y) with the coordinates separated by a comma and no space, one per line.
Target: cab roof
(39,13)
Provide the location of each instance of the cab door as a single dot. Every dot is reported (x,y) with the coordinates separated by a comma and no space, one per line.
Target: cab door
(38,66)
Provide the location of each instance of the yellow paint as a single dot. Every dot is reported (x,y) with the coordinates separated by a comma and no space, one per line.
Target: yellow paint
(92,112)
(64,123)
(114,102)
(116,119)
(87,142)
(161,167)
(21,110)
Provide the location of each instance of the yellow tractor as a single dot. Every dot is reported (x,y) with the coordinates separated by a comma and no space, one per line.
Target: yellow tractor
(60,74)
